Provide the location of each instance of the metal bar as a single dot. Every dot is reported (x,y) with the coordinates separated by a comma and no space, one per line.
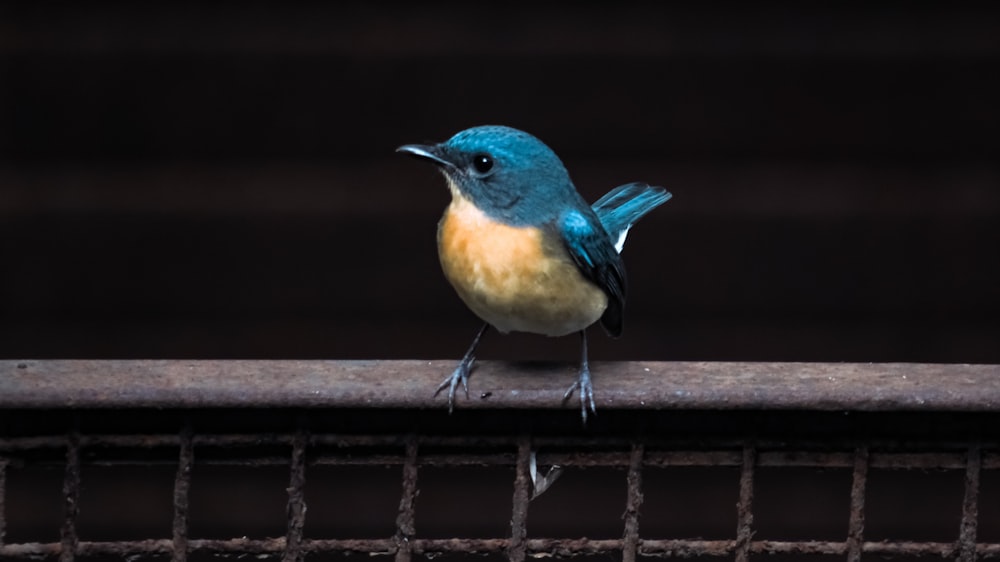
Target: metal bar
(406,528)
(679,548)
(630,540)
(970,508)
(182,488)
(744,524)
(660,452)
(538,547)
(3,500)
(462,459)
(911,548)
(273,546)
(71,499)
(545,548)
(489,456)
(988,551)
(87,548)
(407,384)
(517,549)
(296,498)
(856,523)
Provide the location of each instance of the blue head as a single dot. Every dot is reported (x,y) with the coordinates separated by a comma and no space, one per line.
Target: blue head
(507,173)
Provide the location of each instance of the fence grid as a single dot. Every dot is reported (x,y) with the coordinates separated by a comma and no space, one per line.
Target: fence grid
(969,444)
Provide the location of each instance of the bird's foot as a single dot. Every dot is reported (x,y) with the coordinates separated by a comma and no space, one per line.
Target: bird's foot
(459,375)
(586,393)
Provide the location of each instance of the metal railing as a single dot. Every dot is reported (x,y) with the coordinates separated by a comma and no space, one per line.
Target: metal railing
(306,415)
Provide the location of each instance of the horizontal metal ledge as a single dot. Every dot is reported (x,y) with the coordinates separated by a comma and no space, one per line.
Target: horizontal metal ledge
(496,385)
(537,547)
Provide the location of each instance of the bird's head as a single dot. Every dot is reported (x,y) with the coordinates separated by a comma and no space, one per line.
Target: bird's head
(505,172)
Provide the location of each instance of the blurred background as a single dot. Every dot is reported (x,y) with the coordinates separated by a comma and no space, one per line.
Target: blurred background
(187,181)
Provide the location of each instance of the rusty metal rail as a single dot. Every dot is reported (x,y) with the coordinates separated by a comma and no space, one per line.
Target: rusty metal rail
(80,394)
(406,384)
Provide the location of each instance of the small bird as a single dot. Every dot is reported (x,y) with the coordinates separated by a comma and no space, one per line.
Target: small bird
(523,249)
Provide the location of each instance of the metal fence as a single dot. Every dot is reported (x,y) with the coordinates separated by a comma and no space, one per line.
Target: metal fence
(856,445)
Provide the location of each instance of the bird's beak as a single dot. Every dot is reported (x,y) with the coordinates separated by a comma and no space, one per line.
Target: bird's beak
(430,152)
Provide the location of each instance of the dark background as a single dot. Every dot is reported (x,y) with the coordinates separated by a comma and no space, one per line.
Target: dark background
(188,181)
(183,181)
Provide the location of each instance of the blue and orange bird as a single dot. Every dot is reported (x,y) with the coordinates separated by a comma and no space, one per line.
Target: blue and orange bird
(523,249)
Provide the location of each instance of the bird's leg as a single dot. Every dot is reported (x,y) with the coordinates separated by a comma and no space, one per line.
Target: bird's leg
(461,373)
(583,383)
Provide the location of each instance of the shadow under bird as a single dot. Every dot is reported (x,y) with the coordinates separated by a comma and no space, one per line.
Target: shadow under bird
(523,249)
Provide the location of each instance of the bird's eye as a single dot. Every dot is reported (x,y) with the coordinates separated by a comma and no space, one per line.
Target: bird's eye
(482,163)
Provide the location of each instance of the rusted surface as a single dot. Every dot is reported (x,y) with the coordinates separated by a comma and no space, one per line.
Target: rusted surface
(685,548)
(970,507)
(488,456)
(630,451)
(633,502)
(71,499)
(3,500)
(744,509)
(678,548)
(405,520)
(856,522)
(411,384)
(182,489)
(519,512)
(475,546)
(296,509)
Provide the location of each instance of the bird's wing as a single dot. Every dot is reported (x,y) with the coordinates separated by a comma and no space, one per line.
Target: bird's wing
(591,249)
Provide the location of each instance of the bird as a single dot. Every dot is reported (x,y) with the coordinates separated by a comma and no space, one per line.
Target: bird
(524,250)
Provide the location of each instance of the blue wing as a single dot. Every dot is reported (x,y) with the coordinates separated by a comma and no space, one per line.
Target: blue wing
(591,249)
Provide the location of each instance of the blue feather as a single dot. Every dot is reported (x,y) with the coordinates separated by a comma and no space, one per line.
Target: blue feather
(593,253)
(621,207)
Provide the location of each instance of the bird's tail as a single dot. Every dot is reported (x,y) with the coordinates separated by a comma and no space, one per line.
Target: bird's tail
(621,207)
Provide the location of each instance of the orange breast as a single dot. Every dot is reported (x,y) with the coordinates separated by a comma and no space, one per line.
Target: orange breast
(512,277)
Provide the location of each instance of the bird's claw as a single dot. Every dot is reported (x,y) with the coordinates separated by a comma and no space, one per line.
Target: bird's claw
(586,389)
(460,374)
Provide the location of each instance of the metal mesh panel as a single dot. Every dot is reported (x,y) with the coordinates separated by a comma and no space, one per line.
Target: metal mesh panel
(630,453)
